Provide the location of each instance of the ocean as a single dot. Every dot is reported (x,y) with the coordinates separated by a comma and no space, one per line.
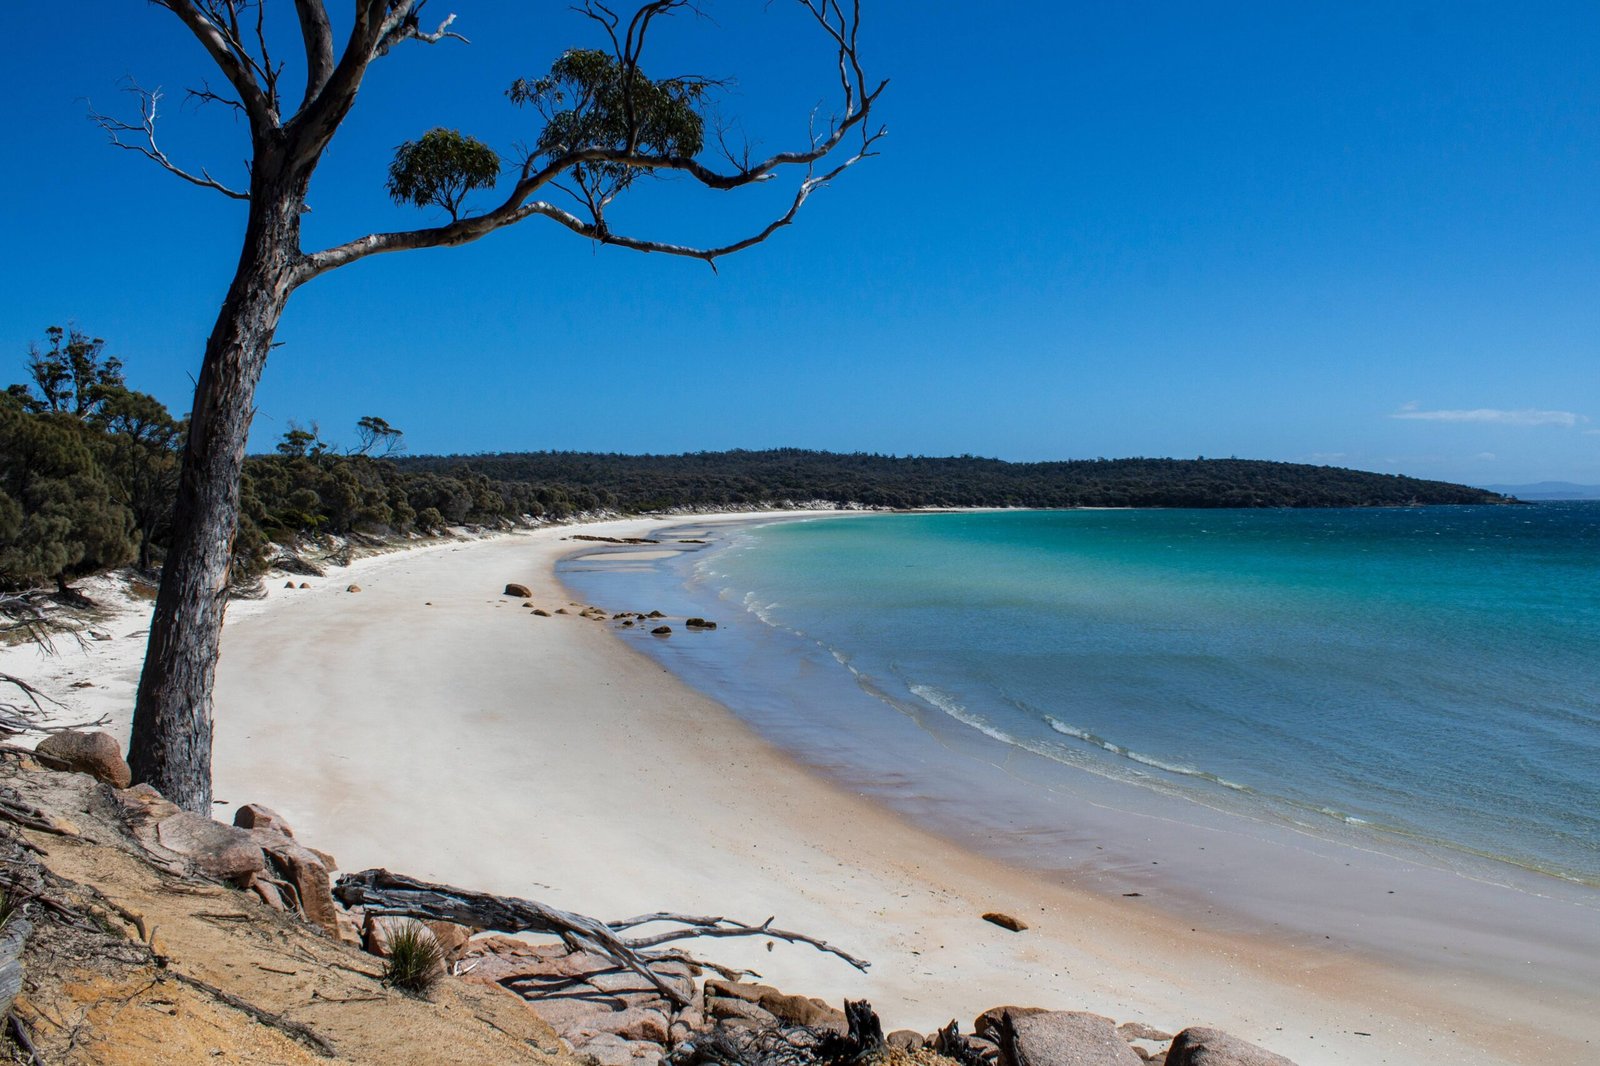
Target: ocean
(1412,678)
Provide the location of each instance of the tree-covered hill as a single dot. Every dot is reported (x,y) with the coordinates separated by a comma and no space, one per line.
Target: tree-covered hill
(738,478)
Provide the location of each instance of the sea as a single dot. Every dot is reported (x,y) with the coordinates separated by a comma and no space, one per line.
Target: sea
(1413,680)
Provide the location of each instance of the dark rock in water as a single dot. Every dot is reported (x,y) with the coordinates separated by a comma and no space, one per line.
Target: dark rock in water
(1211,1047)
(628,623)
(519,591)
(661,631)
(655,614)
(1005,921)
(1065,1038)
(93,753)
(699,623)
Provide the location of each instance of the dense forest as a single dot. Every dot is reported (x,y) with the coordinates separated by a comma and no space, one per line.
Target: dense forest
(88,470)
(742,478)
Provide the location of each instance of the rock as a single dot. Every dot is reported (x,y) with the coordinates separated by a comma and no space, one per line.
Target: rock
(1071,1038)
(522,592)
(221,851)
(737,1010)
(541,612)
(451,938)
(1211,1047)
(794,1010)
(627,624)
(1141,1031)
(352,588)
(349,932)
(528,604)
(984,1024)
(699,623)
(661,631)
(1005,921)
(305,585)
(255,816)
(288,584)
(304,869)
(905,1040)
(93,753)
(655,614)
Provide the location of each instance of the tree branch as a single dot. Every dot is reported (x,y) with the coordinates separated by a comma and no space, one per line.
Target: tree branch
(218,43)
(317,34)
(149,102)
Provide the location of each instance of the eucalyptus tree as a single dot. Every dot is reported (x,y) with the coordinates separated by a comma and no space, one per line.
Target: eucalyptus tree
(603,124)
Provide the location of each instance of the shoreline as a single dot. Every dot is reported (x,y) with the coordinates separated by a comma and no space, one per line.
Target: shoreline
(433,726)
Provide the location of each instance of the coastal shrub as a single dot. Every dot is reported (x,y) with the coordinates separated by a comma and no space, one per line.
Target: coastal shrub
(415,961)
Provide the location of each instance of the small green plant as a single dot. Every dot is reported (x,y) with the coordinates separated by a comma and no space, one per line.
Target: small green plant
(415,961)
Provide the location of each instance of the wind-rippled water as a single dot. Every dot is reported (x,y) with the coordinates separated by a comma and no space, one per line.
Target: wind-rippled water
(1427,672)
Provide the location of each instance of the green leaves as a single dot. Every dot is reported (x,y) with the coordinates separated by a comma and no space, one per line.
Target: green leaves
(591,100)
(440,170)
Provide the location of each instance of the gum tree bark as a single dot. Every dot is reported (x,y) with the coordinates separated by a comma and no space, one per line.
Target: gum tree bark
(172,724)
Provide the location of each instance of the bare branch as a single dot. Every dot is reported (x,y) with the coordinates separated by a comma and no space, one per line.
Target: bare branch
(230,58)
(145,130)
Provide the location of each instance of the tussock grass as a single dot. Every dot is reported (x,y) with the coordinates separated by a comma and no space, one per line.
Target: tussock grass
(415,961)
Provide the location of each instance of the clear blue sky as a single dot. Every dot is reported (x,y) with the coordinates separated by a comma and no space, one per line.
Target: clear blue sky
(1359,233)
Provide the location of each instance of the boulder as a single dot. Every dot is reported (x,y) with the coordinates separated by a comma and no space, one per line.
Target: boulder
(984,1024)
(255,816)
(661,631)
(905,1040)
(451,938)
(288,584)
(655,614)
(1069,1038)
(303,868)
(352,588)
(305,585)
(541,612)
(699,623)
(793,1010)
(1006,921)
(522,592)
(1141,1031)
(93,753)
(224,852)
(1212,1047)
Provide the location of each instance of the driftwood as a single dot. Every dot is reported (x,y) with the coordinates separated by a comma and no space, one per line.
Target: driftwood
(385,893)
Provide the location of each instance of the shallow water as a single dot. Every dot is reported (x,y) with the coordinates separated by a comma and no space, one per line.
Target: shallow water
(1402,677)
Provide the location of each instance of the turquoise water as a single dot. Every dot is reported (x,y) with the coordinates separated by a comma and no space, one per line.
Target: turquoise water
(1428,674)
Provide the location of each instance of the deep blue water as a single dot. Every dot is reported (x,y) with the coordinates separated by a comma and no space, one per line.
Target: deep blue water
(1431,674)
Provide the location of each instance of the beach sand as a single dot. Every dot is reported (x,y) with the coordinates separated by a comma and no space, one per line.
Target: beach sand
(433,726)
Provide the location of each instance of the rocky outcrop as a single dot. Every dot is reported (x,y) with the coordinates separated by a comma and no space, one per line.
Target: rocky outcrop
(1210,1047)
(92,753)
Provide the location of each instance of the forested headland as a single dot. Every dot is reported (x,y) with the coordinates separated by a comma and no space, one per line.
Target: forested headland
(89,467)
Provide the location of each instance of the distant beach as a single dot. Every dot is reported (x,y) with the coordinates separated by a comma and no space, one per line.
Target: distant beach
(432,725)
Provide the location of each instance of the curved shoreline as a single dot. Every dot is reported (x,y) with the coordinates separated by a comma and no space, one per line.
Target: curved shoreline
(433,726)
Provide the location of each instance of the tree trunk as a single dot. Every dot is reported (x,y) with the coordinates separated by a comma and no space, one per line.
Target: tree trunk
(171,743)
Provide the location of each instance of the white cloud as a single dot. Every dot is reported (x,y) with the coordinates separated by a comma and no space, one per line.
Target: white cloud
(1487,457)
(1522,416)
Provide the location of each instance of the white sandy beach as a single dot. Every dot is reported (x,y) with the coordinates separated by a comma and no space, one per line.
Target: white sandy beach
(433,726)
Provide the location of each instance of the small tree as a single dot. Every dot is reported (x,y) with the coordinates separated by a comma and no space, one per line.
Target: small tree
(605,124)
(374,434)
(73,375)
(143,459)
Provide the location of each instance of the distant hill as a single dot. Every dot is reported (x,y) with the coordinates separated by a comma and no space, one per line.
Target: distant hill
(734,478)
(1549,490)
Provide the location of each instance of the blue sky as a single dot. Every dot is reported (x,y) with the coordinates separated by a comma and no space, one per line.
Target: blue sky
(1356,233)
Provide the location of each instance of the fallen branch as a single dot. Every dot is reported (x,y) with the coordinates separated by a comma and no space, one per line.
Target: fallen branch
(303,1033)
(385,893)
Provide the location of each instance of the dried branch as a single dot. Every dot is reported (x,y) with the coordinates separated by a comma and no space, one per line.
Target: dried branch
(145,129)
(385,893)
(220,41)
